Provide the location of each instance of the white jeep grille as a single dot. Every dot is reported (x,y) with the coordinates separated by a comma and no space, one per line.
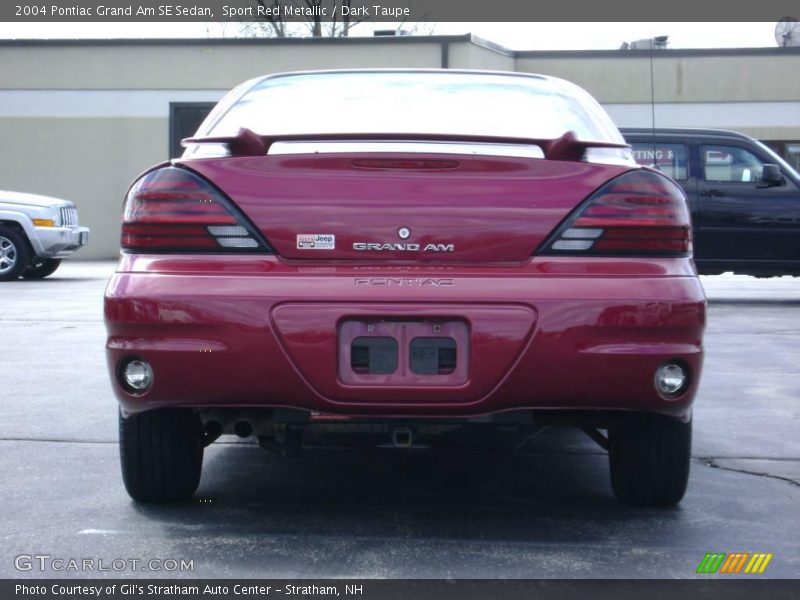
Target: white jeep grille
(69,216)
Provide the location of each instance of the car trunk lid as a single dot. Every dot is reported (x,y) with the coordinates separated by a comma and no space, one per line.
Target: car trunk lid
(404,206)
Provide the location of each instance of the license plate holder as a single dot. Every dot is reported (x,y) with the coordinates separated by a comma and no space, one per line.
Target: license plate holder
(404,353)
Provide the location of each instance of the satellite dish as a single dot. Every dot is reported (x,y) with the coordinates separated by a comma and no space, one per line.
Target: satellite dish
(787,32)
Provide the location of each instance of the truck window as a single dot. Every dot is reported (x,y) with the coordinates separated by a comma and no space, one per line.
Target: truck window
(670,159)
(731,164)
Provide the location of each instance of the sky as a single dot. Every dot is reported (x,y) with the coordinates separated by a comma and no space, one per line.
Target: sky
(517,36)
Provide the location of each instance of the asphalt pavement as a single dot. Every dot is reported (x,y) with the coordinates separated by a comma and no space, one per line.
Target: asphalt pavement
(543,511)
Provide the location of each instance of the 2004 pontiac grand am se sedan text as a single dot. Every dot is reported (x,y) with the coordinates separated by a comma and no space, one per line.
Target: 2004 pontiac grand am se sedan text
(407,252)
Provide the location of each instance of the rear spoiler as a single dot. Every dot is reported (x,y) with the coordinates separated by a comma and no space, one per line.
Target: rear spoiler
(249,143)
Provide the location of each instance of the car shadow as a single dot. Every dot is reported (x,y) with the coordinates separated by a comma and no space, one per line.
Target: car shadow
(549,490)
(53,279)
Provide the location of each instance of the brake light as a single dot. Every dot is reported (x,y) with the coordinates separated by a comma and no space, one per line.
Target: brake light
(173,210)
(640,212)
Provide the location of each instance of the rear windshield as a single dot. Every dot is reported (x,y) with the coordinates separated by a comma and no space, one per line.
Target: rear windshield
(416,102)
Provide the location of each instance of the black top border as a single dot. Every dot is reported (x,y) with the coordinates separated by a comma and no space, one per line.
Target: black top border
(393,11)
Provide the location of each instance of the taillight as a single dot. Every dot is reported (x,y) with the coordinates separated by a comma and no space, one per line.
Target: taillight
(174,210)
(640,212)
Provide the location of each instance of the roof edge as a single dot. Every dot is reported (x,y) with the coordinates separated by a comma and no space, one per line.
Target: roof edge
(646,53)
(404,39)
(249,41)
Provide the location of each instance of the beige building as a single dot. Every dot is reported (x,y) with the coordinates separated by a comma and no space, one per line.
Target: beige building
(79,119)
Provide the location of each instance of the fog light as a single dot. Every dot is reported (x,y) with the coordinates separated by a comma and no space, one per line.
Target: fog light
(671,379)
(138,375)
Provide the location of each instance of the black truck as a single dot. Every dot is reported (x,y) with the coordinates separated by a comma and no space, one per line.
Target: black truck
(744,198)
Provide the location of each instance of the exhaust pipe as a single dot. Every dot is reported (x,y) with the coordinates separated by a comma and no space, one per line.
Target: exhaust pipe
(402,437)
(243,429)
(213,429)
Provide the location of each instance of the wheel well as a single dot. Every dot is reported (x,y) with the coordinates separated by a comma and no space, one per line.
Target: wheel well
(19,229)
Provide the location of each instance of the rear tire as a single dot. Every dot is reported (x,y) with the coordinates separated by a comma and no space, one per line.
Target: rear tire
(14,253)
(649,456)
(161,453)
(41,268)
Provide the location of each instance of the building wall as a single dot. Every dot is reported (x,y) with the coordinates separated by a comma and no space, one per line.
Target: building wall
(79,120)
(90,161)
(752,91)
(190,66)
(756,75)
(466,55)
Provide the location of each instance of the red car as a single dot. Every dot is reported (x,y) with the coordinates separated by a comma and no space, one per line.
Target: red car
(405,252)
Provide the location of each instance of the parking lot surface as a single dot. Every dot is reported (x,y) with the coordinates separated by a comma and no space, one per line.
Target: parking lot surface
(545,510)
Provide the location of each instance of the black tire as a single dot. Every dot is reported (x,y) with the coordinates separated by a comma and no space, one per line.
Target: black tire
(41,268)
(161,452)
(14,253)
(649,456)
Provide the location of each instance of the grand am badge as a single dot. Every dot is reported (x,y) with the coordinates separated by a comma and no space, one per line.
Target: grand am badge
(370,247)
(316,241)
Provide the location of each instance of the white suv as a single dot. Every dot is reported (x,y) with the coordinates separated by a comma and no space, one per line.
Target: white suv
(36,232)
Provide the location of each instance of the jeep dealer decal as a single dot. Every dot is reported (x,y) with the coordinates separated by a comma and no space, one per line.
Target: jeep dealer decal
(316,241)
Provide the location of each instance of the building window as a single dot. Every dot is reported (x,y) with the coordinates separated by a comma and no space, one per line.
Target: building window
(184,119)
(667,158)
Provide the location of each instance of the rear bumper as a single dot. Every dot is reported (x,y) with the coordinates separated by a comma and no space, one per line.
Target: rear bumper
(549,334)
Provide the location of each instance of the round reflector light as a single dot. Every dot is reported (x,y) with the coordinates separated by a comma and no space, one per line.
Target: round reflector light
(671,379)
(138,375)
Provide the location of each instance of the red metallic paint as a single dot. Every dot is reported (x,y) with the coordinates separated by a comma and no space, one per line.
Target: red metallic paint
(491,208)
(548,332)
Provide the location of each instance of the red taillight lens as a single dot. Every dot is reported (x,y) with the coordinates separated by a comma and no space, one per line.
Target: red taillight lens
(174,210)
(640,212)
